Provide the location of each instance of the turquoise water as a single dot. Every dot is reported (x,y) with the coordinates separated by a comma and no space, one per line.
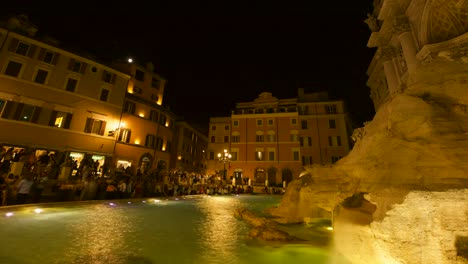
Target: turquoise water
(199,229)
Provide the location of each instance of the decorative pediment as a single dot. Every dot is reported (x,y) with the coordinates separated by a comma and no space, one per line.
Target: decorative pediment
(265,97)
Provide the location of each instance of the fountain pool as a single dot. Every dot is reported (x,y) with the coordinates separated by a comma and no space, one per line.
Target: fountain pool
(196,229)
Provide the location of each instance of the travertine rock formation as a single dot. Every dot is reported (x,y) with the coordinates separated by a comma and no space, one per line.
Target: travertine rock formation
(401,195)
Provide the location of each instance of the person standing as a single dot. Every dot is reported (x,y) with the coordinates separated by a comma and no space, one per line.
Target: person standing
(24,187)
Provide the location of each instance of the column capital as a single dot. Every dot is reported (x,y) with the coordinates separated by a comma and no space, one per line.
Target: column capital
(386,53)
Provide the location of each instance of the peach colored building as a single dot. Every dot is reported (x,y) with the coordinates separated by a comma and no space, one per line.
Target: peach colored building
(190,145)
(273,139)
(52,100)
(145,132)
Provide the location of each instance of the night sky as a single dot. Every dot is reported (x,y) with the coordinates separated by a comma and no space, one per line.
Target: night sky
(216,55)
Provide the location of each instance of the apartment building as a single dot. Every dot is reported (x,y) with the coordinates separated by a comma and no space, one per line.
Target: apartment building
(145,132)
(272,139)
(190,145)
(56,101)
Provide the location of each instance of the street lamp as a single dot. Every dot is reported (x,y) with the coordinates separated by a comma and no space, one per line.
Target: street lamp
(226,157)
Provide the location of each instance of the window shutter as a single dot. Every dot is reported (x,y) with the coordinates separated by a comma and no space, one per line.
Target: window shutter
(89,125)
(128,136)
(7,111)
(41,55)
(112,79)
(31,51)
(70,64)
(55,59)
(13,44)
(53,116)
(19,109)
(68,121)
(83,67)
(36,114)
(103,128)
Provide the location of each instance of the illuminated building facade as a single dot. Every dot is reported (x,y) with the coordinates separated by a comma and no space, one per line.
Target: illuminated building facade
(190,147)
(52,100)
(273,139)
(145,133)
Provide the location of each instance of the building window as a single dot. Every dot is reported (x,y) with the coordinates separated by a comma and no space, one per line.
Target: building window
(48,57)
(296,155)
(330,109)
(226,139)
(259,138)
(233,156)
(213,127)
(41,76)
(310,141)
(235,139)
(27,113)
(159,143)
(293,121)
(108,77)
(271,155)
(211,155)
(304,124)
(331,123)
(270,122)
(155,83)
(2,105)
(150,141)
(129,107)
(259,155)
(235,123)
(226,127)
(154,116)
(124,135)
(60,119)
(213,139)
(334,141)
(137,90)
(22,48)
(139,75)
(301,141)
(76,66)
(104,95)
(259,122)
(13,68)
(271,138)
(95,126)
(162,120)
(71,85)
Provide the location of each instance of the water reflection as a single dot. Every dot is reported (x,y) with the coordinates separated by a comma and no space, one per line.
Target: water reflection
(102,236)
(219,236)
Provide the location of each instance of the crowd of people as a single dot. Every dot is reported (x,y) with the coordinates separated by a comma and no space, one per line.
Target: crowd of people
(89,183)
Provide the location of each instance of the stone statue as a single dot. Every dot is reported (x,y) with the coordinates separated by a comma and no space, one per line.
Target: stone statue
(372,22)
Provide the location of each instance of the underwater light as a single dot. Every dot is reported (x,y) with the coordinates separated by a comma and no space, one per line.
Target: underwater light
(38,210)
(157,201)
(9,214)
(129,202)
(329,228)
(112,204)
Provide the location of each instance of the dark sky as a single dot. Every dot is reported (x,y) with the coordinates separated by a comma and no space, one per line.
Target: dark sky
(216,55)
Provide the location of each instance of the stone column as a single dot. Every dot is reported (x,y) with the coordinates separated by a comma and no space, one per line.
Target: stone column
(387,54)
(402,29)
